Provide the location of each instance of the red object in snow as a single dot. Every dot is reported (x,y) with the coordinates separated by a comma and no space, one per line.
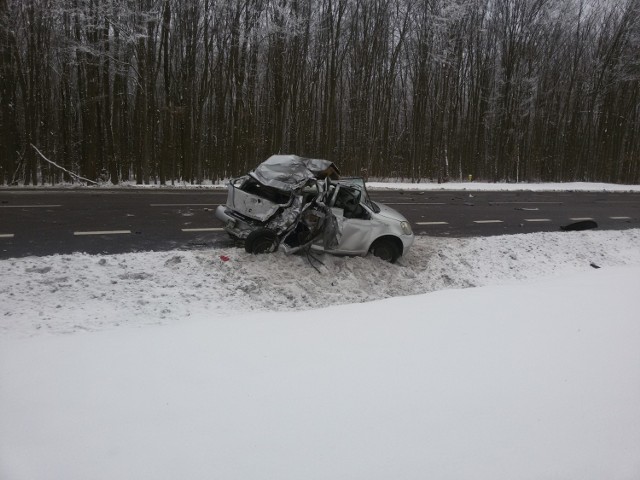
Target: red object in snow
(224,258)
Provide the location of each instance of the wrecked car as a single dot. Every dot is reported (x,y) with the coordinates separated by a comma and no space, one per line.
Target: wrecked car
(291,203)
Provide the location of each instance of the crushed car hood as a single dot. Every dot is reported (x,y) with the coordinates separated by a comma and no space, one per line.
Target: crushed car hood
(289,172)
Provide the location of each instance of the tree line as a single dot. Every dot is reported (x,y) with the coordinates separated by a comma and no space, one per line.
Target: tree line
(190,90)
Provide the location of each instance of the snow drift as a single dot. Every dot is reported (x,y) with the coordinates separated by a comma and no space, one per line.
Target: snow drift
(532,375)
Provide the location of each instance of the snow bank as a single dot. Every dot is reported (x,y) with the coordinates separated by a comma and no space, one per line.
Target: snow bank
(67,293)
(510,187)
(534,374)
(528,381)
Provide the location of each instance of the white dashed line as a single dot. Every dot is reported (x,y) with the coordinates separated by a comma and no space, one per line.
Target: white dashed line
(184,204)
(528,203)
(29,206)
(6,235)
(202,229)
(537,219)
(488,221)
(620,218)
(432,223)
(415,203)
(580,219)
(103,232)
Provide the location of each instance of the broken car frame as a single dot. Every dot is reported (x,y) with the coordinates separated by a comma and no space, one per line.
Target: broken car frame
(292,203)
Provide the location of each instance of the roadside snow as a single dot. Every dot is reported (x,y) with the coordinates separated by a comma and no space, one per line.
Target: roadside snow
(534,374)
(68,293)
(511,187)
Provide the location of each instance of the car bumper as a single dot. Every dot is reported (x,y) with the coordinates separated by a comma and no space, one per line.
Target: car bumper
(233,226)
(407,241)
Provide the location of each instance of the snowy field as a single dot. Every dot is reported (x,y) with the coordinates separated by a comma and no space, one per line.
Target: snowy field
(183,365)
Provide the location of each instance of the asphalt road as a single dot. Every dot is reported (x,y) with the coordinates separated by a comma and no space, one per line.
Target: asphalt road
(46,222)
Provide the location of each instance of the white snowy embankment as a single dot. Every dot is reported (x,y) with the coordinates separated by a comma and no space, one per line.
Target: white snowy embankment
(67,293)
(500,187)
(536,374)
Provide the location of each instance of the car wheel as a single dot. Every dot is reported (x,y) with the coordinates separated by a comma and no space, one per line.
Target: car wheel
(385,249)
(261,240)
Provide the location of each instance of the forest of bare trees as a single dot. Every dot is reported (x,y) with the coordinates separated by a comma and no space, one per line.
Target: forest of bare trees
(191,90)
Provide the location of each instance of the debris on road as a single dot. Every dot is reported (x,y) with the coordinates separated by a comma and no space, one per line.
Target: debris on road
(578,226)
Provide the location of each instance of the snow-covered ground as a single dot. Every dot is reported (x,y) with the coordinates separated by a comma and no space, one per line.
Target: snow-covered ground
(496,187)
(72,293)
(186,365)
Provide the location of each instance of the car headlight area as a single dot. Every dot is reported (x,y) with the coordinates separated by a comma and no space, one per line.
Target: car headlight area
(406,228)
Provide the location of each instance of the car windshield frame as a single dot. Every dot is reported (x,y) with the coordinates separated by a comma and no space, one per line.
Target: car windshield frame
(364,198)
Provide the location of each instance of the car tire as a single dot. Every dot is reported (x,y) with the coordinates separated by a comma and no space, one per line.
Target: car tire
(262,240)
(385,249)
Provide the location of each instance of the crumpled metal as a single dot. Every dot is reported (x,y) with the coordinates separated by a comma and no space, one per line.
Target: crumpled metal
(288,217)
(290,172)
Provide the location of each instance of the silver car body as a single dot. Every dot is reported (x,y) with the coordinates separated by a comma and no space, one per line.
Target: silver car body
(358,234)
(285,189)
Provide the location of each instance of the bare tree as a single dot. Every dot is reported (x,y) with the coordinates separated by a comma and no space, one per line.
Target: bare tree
(170,90)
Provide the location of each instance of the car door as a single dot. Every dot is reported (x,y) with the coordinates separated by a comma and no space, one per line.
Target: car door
(355,221)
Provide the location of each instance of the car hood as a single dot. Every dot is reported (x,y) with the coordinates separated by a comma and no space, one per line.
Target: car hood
(290,172)
(389,212)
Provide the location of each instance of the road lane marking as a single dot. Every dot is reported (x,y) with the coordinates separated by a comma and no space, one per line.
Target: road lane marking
(620,218)
(217,229)
(488,221)
(537,219)
(6,235)
(580,219)
(29,206)
(432,223)
(184,204)
(103,232)
(416,203)
(529,203)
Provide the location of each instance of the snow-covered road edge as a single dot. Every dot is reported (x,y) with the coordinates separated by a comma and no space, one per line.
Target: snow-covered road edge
(70,293)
